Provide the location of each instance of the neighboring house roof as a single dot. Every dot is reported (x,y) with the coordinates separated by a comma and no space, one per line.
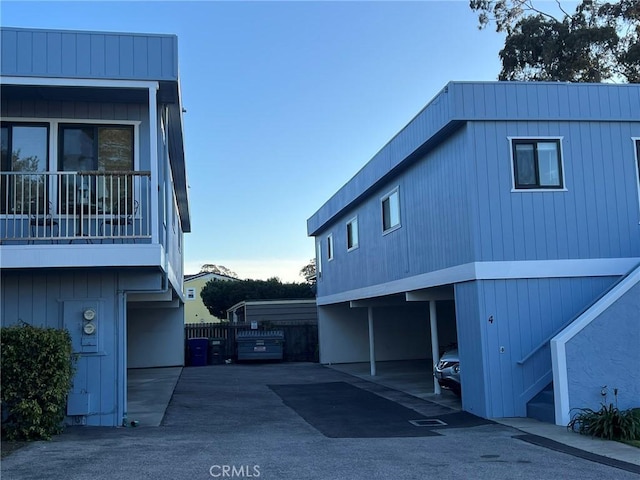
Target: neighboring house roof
(298,301)
(275,311)
(209,275)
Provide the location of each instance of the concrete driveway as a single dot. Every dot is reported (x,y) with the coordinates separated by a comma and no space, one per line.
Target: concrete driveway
(267,421)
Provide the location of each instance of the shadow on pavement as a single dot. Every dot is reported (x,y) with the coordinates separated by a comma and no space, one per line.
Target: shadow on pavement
(341,410)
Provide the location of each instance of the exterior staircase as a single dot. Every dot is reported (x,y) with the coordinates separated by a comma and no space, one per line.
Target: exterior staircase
(542,407)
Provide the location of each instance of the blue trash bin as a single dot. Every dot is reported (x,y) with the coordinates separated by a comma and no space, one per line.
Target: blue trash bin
(198,351)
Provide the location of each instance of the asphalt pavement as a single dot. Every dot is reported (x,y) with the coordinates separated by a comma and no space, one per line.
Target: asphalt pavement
(267,420)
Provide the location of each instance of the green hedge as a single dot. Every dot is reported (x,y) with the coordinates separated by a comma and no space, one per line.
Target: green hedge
(37,368)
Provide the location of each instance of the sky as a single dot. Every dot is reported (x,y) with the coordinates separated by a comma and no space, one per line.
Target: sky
(285,102)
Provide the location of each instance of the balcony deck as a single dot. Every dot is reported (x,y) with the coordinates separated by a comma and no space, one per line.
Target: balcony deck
(81,255)
(77,219)
(75,207)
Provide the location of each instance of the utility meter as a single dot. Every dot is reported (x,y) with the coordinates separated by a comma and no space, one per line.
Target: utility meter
(89,328)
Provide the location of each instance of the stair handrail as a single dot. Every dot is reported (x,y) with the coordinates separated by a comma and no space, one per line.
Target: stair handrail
(547,340)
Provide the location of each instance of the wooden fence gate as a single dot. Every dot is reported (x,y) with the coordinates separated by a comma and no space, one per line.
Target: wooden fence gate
(300,340)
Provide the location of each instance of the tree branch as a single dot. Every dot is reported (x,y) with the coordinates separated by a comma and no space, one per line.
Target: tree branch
(566,15)
(531,8)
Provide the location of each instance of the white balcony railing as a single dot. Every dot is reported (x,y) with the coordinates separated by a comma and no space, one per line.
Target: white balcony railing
(62,207)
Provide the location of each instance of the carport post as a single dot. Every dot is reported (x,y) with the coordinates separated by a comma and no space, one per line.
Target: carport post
(372,352)
(435,346)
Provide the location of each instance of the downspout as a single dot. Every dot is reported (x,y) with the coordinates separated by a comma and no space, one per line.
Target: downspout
(372,344)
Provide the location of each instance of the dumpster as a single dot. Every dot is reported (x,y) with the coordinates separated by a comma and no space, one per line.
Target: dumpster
(216,351)
(260,345)
(198,350)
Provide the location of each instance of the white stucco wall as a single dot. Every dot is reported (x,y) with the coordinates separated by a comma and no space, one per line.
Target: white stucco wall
(607,353)
(155,337)
(401,333)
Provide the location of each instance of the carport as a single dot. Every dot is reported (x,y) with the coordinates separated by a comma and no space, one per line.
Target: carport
(154,353)
(405,327)
(155,330)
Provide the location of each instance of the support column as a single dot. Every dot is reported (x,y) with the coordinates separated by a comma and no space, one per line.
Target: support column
(154,167)
(372,352)
(121,362)
(435,346)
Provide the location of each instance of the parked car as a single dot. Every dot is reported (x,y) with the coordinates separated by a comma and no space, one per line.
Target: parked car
(447,371)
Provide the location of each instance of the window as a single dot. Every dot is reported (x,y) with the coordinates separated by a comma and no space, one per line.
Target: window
(97,148)
(330,247)
(537,164)
(25,153)
(352,234)
(319,259)
(191,293)
(390,211)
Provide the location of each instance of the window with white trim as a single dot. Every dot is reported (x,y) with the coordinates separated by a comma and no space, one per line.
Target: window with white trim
(537,163)
(97,147)
(25,153)
(390,211)
(352,234)
(191,293)
(330,247)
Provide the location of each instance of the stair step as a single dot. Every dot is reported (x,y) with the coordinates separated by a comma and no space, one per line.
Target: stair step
(543,411)
(542,406)
(545,396)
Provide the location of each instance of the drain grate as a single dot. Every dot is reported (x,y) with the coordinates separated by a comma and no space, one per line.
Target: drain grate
(428,422)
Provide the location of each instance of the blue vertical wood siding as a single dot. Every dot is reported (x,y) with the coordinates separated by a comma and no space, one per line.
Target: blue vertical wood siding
(596,217)
(56,297)
(471,341)
(453,169)
(40,298)
(49,53)
(435,231)
(452,165)
(69,55)
(524,314)
(487,101)
(544,101)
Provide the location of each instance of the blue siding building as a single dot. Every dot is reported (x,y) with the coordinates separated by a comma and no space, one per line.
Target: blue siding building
(494,219)
(94,204)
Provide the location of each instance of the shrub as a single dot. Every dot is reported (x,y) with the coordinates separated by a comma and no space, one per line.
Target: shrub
(608,422)
(37,371)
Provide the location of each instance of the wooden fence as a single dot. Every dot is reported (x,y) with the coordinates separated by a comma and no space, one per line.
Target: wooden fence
(300,340)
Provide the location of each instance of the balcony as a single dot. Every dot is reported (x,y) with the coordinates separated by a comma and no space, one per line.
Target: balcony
(57,208)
